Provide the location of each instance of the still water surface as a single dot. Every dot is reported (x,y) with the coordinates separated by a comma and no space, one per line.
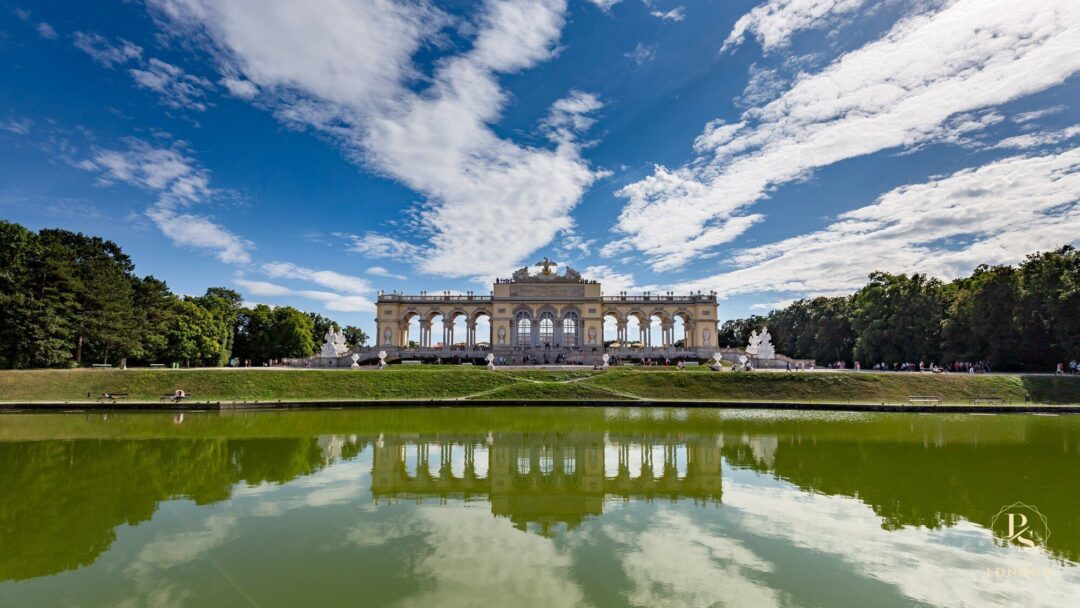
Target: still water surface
(533,507)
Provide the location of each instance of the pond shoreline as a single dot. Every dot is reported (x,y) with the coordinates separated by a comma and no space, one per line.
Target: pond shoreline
(284,404)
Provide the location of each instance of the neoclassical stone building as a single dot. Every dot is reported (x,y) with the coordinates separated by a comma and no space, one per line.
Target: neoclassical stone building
(544,316)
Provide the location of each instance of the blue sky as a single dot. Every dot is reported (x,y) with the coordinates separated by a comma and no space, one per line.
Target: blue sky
(313,153)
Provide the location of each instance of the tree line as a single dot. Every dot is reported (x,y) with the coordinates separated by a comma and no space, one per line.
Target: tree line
(1022,318)
(67,300)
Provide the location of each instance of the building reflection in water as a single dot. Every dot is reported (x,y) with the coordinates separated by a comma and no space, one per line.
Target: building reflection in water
(545,479)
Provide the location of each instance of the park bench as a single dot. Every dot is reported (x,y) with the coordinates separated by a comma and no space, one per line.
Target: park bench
(157,365)
(412,362)
(924,400)
(100,365)
(988,401)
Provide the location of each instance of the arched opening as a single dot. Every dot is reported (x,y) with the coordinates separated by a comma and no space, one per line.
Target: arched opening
(481,330)
(546,335)
(523,331)
(637,328)
(458,329)
(612,336)
(410,330)
(680,325)
(570,333)
(655,334)
(435,336)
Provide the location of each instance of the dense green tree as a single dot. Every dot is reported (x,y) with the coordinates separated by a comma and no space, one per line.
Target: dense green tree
(898,319)
(354,336)
(155,312)
(293,333)
(195,336)
(736,332)
(981,320)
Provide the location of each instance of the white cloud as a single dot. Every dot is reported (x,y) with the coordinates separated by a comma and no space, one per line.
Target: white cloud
(605,5)
(995,214)
(238,87)
(338,302)
(1037,114)
(642,54)
(21,14)
(675,14)
(179,184)
(380,246)
(895,92)
(345,69)
(610,279)
(570,116)
(326,278)
(18,126)
(262,288)
(106,53)
(776,21)
(379,271)
(1037,140)
(177,88)
(46,31)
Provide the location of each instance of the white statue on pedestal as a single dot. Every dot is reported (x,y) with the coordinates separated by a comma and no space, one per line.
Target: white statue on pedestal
(490,358)
(382,359)
(333,344)
(761,346)
(355,358)
(605,358)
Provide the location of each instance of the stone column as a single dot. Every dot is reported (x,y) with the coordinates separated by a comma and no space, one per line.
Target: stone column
(425,334)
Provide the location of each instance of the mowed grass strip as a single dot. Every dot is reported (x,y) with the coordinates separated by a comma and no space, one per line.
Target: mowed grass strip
(549,391)
(863,387)
(250,384)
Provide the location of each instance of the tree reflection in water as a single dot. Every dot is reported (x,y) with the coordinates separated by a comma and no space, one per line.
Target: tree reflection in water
(69,481)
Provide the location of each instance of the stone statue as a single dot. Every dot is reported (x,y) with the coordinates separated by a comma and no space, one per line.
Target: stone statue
(592,335)
(387,334)
(333,344)
(502,335)
(572,274)
(522,273)
(760,346)
(546,265)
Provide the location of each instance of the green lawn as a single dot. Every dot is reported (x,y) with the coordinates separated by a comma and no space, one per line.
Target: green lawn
(446,382)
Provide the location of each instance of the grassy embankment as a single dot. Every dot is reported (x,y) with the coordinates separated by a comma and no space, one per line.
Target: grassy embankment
(430,383)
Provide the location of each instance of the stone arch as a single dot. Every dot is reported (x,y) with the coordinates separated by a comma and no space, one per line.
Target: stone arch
(683,327)
(476,333)
(521,327)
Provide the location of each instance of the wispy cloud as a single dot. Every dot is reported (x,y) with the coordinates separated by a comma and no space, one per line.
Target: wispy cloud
(346,69)
(379,271)
(179,184)
(175,88)
(774,22)
(896,92)
(675,14)
(46,31)
(995,214)
(642,53)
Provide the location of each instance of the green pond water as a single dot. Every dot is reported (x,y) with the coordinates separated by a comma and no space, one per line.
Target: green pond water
(537,506)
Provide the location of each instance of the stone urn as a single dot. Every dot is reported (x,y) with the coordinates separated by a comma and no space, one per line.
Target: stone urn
(714,363)
(490,358)
(355,357)
(605,359)
(382,359)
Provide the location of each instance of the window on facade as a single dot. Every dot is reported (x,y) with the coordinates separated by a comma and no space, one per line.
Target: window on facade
(569,465)
(524,465)
(547,330)
(569,330)
(524,331)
